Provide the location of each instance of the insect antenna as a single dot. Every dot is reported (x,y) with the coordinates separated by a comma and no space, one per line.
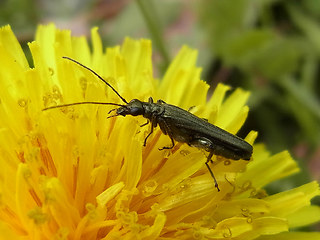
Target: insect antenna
(96,74)
(79,103)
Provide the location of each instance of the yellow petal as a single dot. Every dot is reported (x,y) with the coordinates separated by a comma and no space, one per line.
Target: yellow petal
(292,236)
(74,173)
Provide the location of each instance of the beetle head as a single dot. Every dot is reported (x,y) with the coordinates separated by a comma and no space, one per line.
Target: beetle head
(134,108)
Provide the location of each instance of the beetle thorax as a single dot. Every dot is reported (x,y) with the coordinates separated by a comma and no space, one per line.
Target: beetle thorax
(152,109)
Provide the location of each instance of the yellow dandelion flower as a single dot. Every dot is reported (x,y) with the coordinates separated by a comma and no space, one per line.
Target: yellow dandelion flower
(71,173)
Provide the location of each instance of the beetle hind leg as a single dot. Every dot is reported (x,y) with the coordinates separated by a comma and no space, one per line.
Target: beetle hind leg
(206,144)
(211,173)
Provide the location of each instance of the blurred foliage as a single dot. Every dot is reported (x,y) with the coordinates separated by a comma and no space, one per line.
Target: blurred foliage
(270,47)
(22,14)
(273,46)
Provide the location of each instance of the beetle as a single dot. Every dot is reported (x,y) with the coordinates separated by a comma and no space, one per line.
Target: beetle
(180,125)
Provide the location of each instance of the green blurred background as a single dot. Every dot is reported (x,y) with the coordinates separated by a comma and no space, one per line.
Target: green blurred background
(270,47)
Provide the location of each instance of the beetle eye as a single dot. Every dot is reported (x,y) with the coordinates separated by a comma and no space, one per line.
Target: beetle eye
(135,111)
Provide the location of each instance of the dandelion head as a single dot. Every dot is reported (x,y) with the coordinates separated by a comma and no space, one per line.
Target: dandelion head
(74,173)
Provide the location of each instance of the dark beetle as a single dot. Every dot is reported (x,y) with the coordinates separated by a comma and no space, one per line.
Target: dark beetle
(179,125)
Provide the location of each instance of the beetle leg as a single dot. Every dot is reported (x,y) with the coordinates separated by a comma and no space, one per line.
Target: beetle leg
(166,130)
(211,173)
(161,101)
(145,124)
(190,108)
(145,140)
(172,141)
(150,100)
(207,145)
(153,125)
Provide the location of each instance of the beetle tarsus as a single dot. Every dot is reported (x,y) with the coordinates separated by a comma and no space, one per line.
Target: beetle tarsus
(145,124)
(172,146)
